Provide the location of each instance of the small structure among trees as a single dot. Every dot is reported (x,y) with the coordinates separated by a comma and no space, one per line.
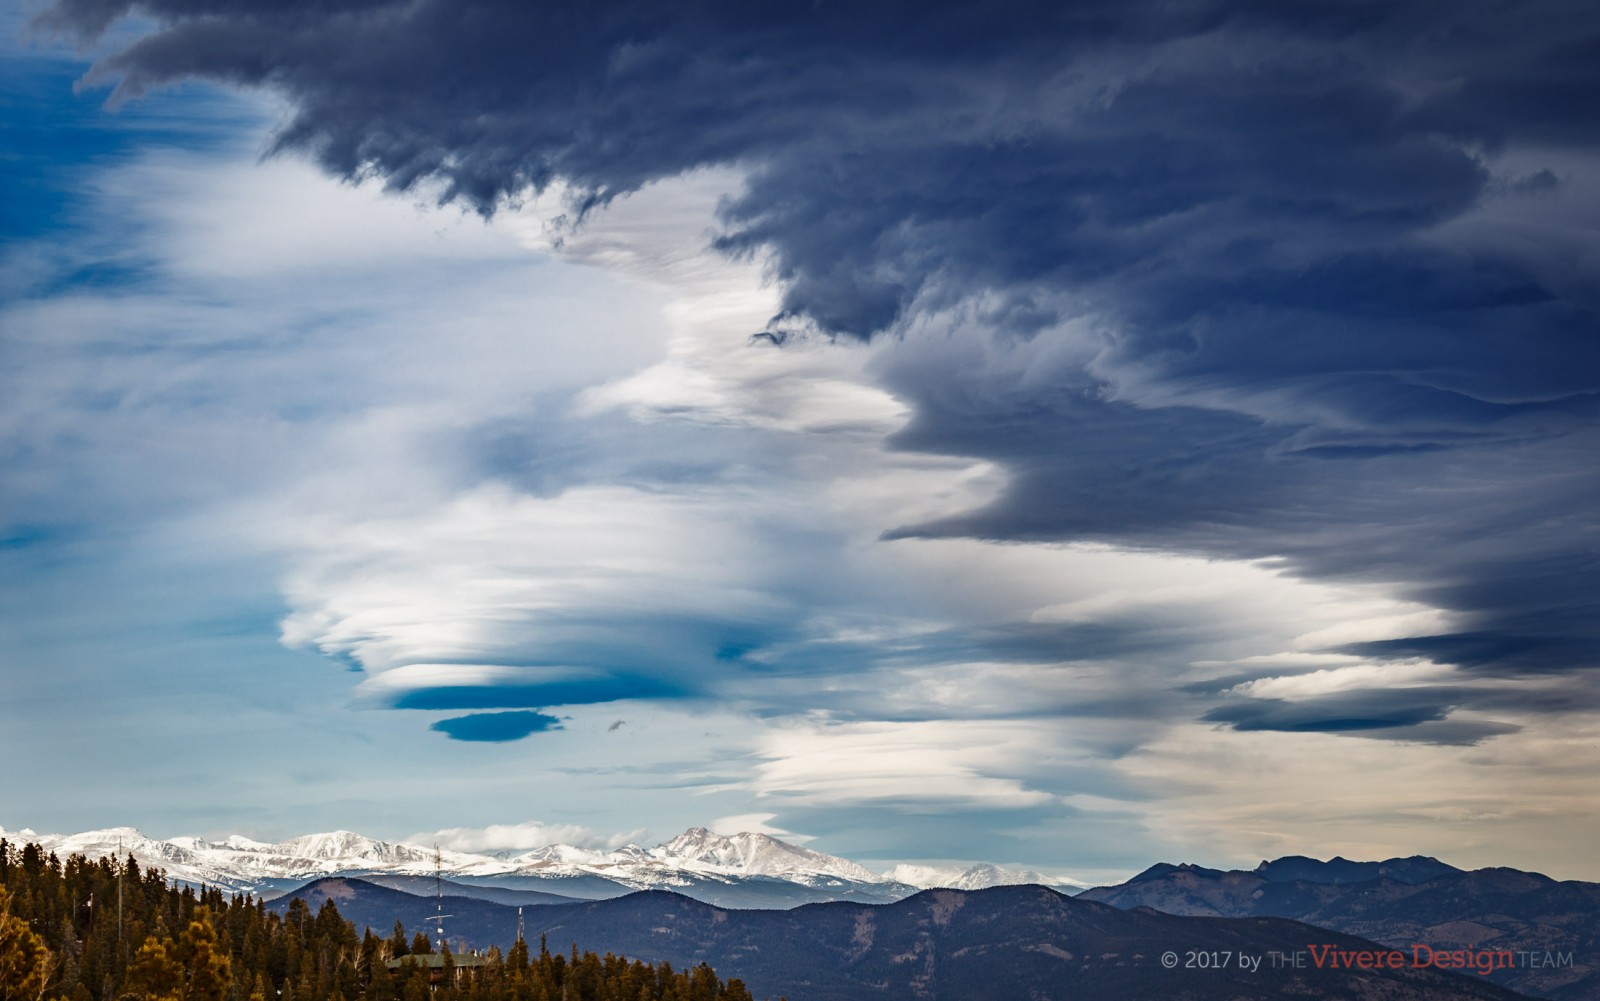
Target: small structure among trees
(440,966)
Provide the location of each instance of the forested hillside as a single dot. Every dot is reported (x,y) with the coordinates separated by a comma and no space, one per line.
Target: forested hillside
(81,930)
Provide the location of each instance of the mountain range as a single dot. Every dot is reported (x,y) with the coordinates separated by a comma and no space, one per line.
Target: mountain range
(739,870)
(1402,902)
(1003,942)
(1551,927)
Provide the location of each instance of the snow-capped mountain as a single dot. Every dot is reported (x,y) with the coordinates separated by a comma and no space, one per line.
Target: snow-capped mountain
(978,877)
(758,855)
(736,870)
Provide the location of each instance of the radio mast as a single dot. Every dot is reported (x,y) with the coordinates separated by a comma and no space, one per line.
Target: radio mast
(438,898)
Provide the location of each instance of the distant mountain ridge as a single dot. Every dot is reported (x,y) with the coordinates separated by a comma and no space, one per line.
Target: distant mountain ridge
(1335,871)
(1402,902)
(738,870)
(1413,869)
(977,877)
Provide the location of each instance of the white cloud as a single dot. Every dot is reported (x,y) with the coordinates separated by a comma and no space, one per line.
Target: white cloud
(921,767)
(495,572)
(755,823)
(1346,679)
(250,222)
(1402,620)
(343,375)
(712,373)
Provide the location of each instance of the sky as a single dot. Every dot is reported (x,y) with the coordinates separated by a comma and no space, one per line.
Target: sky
(1064,435)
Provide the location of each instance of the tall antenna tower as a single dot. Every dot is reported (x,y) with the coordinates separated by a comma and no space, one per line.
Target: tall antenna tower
(438,899)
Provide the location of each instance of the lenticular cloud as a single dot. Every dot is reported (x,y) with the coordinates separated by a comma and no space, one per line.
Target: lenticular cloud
(1225,280)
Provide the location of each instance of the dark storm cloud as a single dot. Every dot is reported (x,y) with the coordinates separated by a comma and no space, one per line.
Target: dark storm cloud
(496,728)
(1345,712)
(1415,712)
(1496,528)
(556,693)
(1374,714)
(1250,206)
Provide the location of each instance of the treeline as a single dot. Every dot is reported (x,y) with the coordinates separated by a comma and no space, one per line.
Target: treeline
(105,930)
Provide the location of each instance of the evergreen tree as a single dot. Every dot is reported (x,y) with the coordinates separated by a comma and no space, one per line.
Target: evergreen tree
(24,960)
(397,942)
(156,975)
(208,973)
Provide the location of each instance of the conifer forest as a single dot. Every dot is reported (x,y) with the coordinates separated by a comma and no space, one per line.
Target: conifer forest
(107,930)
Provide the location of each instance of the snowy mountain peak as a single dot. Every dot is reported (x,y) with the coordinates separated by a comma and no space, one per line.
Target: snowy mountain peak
(113,840)
(333,844)
(348,846)
(109,835)
(752,854)
(569,854)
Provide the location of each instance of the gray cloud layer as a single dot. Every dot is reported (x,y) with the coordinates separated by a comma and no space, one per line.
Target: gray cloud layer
(1326,269)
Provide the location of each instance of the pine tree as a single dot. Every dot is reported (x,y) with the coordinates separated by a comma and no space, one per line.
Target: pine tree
(155,974)
(24,960)
(397,942)
(209,974)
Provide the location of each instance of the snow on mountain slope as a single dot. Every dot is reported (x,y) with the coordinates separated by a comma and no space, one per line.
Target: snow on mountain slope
(698,857)
(978,877)
(694,859)
(570,855)
(758,855)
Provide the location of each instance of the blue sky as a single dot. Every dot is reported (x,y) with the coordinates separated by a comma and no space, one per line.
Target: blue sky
(1067,437)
